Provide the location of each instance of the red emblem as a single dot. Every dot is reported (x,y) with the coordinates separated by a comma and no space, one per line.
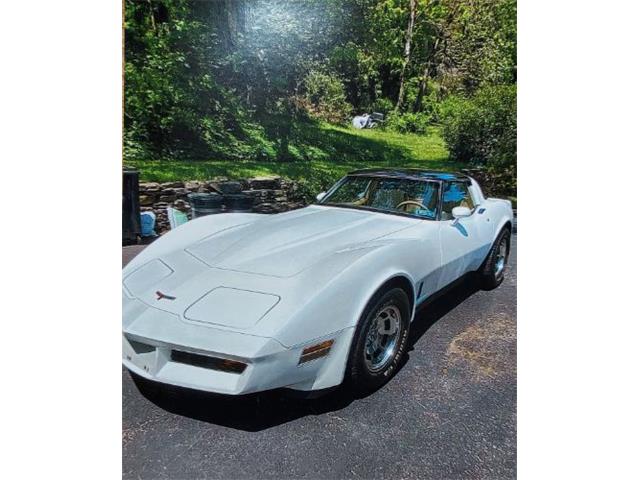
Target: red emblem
(162,295)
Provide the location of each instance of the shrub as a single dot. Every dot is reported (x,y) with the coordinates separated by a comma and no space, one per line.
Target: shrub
(408,122)
(382,105)
(325,97)
(481,130)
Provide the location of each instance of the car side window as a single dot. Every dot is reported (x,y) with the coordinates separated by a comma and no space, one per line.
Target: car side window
(455,194)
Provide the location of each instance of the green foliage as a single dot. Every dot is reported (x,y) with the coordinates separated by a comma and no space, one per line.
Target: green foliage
(382,105)
(481,129)
(323,153)
(356,68)
(408,122)
(241,81)
(481,44)
(173,103)
(325,97)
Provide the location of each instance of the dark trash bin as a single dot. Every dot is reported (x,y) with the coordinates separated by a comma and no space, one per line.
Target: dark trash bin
(130,206)
(228,188)
(240,202)
(205,204)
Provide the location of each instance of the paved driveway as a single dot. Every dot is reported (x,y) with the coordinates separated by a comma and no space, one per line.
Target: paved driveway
(450,412)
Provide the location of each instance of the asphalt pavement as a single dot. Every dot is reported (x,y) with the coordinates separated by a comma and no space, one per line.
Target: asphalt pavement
(449,413)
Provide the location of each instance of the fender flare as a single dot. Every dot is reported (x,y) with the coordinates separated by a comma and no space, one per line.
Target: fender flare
(399,279)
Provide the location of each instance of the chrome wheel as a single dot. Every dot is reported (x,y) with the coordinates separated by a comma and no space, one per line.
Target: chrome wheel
(382,338)
(501,258)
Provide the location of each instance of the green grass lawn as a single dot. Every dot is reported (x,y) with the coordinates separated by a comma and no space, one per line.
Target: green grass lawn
(320,154)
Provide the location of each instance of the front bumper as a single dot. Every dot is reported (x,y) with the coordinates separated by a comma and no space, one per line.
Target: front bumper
(149,339)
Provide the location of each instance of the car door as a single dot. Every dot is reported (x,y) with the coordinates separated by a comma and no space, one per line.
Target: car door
(460,238)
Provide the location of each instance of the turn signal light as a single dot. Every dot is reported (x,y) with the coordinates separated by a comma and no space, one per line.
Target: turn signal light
(232,366)
(315,351)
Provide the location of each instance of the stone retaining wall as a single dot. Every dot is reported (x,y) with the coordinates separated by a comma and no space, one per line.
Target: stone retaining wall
(270,195)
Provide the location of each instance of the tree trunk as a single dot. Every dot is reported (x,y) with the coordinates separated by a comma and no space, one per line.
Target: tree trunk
(229,20)
(421,89)
(151,17)
(417,106)
(372,90)
(407,51)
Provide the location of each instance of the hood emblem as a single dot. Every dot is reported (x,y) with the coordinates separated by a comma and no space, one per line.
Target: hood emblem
(162,295)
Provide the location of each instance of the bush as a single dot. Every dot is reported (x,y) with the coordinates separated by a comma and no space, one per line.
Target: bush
(357,69)
(481,130)
(382,105)
(408,122)
(325,97)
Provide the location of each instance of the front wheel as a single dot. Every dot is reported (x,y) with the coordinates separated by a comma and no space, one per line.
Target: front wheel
(380,341)
(492,271)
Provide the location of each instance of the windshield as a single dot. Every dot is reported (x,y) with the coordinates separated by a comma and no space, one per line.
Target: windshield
(417,198)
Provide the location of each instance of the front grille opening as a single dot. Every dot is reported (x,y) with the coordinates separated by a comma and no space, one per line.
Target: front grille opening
(204,361)
(140,347)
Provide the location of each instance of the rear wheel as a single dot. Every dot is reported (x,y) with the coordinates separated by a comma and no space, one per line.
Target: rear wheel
(380,341)
(493,269)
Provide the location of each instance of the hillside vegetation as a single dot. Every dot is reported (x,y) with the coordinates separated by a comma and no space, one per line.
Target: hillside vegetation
(239,87)
(321,153)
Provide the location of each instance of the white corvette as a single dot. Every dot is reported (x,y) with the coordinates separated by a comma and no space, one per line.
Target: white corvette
(239,302)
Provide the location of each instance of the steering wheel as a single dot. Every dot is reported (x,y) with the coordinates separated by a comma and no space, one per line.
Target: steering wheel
(411,202)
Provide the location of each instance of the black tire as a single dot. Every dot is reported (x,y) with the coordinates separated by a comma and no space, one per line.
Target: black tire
(358,376)
(490,276)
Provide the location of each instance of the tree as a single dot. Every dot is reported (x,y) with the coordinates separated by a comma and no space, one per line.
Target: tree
(225,78)
(407,52)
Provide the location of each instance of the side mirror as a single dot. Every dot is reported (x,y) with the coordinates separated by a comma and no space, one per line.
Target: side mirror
(320,196)
(460,212)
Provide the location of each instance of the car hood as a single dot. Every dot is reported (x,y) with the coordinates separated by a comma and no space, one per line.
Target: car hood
(284,245)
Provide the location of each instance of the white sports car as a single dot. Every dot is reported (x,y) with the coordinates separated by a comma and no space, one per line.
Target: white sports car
(308,299)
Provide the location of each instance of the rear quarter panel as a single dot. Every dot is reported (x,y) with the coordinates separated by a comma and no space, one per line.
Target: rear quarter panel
(502,211)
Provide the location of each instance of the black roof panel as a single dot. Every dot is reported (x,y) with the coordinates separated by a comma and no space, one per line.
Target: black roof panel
(410,173)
